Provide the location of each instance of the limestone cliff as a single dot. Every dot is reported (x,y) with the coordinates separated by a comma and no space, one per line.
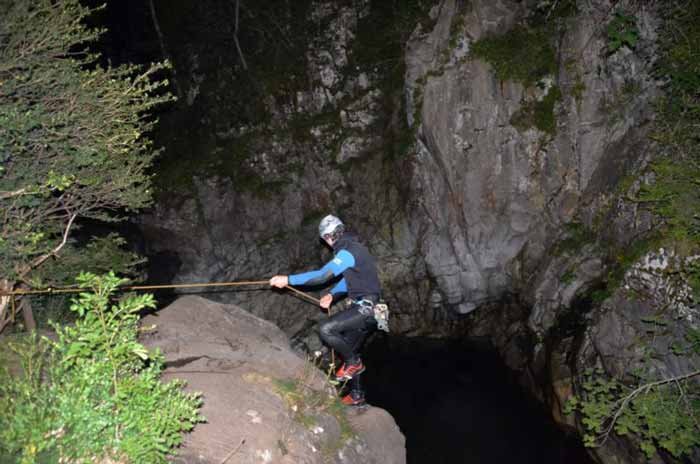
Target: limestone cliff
(493,201)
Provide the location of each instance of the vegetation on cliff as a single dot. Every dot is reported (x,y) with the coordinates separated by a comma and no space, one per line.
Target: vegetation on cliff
(663,414)
(522,54)
(674,194)
(72,144)
(527,54)
(93,393)
(73,147)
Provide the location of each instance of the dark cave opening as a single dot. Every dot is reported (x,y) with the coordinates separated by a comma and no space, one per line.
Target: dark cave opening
(457,402)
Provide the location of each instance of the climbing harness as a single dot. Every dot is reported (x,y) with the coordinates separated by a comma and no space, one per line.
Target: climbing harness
(381,315)
(380,311)
(363,306)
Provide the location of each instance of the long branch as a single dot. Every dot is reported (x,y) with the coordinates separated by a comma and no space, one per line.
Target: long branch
(44,257)
(235,38)
(636,392)
(16,193)
(163,47)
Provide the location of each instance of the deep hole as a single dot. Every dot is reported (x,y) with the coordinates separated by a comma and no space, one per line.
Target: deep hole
(456,402)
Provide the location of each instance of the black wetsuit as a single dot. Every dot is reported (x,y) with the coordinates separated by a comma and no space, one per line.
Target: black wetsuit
(346,330)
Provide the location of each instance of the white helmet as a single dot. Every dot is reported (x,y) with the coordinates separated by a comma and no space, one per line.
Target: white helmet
(328,225)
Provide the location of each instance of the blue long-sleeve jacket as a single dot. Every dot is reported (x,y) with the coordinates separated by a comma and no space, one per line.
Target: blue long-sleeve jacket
(342,261)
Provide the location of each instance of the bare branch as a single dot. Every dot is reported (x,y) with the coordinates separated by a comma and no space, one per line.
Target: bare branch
(7,305)
(163,47)
(551,9)
(42,258)
(623,402)
(16,193)
(235,38)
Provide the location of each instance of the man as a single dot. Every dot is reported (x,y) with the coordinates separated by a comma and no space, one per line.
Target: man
(344,331)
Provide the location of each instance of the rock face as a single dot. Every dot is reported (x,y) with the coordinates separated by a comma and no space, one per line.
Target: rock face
(641,327)
(321,148)
(471,213)
(482,224)
(262,402)
(494,199)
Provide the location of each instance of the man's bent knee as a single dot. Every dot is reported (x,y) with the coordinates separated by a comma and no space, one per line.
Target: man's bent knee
(327,329)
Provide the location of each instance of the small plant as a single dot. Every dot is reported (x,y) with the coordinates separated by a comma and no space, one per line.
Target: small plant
(655,413)
(568,277)
(95,392)
(521,54)
(662,414)
(577,235)
(539,114)
(622,32)
(307,403)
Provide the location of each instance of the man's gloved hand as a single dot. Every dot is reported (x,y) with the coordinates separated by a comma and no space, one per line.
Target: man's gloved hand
(279,281)
(326,301)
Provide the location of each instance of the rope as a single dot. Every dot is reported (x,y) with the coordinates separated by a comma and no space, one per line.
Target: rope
(330,313)
(59,290)
(305,295)
(139,287)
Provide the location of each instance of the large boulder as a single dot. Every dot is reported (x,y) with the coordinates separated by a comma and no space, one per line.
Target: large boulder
(262,402)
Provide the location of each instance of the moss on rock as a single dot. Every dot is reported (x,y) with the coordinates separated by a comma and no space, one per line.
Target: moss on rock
(522,54)
(538,113)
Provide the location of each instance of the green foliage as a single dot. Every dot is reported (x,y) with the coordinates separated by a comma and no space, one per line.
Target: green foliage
(692,346)
(577,235)
(522,54)
(98,256)
(693,339)
(568,277)
(674,194)
(538,113)
(674,197)
(382,35)
(619,261)
(600,294)
(622,32)
(596,405)
(95,391)
(308,404)
(72,140)
(660,416)
(578,89)
(526,54)
(692,274)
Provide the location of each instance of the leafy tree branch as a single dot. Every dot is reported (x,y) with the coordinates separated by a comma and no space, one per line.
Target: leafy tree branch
(73,138)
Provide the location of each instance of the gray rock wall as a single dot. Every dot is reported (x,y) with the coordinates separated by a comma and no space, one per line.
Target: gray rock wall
(495,199)
(481,228)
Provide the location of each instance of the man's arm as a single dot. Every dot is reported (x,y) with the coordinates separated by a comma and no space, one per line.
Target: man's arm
(335,267)
(339,288)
